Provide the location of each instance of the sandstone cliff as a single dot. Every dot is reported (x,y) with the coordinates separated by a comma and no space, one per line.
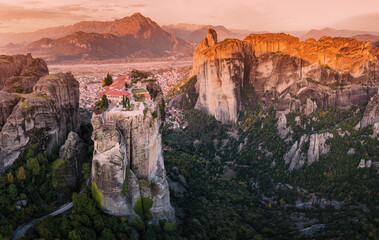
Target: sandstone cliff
(19,73)
(306,97)
(40,118)
(221,70)
(342,54)
(331,71)
(128,162)
(307,150)
(7,102)
(371,115)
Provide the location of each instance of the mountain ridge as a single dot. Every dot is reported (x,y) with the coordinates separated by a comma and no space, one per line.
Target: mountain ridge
(134,36)
(332,32)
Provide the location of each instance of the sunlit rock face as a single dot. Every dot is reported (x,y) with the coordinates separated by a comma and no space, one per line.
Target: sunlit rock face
(42,117)
(303,76)
(221,69)
(128,156)
(341,54)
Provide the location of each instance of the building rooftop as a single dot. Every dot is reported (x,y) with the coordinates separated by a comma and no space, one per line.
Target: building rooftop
(115,93)
(118,84)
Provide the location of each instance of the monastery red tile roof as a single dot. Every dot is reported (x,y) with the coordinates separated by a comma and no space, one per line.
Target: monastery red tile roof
(115,93)
(118,84)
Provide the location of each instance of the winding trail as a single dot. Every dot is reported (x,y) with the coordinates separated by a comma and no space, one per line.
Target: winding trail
(22,229)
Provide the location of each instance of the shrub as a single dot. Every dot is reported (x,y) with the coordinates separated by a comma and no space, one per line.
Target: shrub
(96,194)
(142,208)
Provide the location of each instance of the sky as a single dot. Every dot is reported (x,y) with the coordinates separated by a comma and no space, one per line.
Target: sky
(253,15)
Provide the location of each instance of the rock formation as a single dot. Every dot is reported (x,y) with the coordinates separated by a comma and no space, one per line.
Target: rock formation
(307,150)
(329,72)
(306,97)
(342,54)
(73,152)
(19,73)
(221,69)
(7,102)
(371,115)
(128,162)
(41,118)
(67,170)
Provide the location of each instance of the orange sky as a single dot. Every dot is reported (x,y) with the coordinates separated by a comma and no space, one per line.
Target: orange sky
(255,15)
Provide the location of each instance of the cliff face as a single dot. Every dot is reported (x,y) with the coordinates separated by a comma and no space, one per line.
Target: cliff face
(128,162)
(330,72)
(209,41)
(310,96)
(371,114)
(7,102)
(41,118)
(221,70)
(342,54)
(297,158)
(69,173)
(20,72)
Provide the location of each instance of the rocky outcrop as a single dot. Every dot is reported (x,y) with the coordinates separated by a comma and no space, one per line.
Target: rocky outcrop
(67,170)
(307,150)
(128,163)
(306,97)
(371,115)
(336,72)
(342,54)
(7,102)
(221,70)
(209,41)
(41,118)
(74,153)
(19,73)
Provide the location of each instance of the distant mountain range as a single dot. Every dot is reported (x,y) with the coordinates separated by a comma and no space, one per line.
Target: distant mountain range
(331,32)
(196,33)
(134,36)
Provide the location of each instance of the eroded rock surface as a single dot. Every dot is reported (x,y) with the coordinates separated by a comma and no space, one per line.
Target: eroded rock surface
(303,76)
(371,115)
(41,118)
(19,73)
(221,69)
(128,162)
(7,102)
(307,150)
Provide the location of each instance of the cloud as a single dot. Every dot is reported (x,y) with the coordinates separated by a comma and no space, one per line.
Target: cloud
(31,2)
(137,5)
(73,12)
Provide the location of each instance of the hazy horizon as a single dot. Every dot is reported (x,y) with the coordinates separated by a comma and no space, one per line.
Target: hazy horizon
(257,15)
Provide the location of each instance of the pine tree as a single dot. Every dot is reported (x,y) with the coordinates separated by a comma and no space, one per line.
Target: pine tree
(123,102)
(107,81)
